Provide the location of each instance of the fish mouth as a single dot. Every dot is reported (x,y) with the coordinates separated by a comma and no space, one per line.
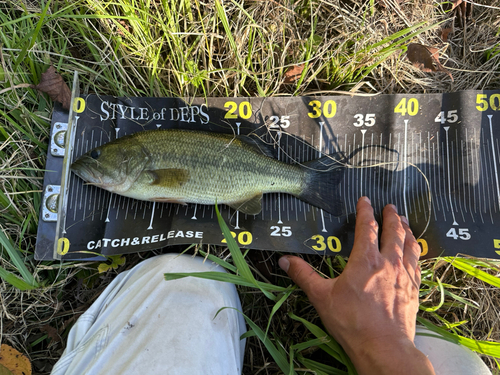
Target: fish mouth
(84,172)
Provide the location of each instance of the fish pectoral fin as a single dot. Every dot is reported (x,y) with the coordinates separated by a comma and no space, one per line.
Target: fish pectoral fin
(252,206)
(171,178)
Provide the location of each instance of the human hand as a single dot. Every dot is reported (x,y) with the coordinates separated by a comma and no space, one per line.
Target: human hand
(370,309)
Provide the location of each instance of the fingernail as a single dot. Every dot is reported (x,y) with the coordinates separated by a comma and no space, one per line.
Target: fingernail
(284,263)
(367,200)
(394,207)
(405,220)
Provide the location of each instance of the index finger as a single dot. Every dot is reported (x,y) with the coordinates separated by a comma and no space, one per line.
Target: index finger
(366,232)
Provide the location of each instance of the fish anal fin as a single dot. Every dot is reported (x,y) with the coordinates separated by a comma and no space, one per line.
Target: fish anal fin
(173,177)
(252,206)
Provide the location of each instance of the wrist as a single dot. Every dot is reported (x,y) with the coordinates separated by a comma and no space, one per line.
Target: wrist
(390,356)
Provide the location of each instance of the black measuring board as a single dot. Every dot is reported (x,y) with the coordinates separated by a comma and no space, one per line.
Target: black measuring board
(435,156)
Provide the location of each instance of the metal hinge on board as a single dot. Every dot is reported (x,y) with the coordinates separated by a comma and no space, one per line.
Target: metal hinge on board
(50,202)
(58,139)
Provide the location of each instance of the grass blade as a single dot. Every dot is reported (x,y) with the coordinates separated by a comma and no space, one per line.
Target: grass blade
(238,259)
(16,259)
(227,278)
(483,347)
(464,265)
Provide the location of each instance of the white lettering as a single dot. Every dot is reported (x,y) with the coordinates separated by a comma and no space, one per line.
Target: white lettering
(98,245)
(145,240)
(172,118)
(103,109)
(122,110)
(204,118)
(91,245)
(115,243)
(105,242)
(184,114)
(135,241)
(198,235)
(162,237)
(163,110)
(154,238)
(179,234)
(125,242)
(195,111)
(144,114)
(189,234)
(171,234)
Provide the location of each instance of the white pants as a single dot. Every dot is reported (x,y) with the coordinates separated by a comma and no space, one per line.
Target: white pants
(142,324)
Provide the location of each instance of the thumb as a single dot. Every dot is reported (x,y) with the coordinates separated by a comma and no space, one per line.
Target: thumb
(302,274)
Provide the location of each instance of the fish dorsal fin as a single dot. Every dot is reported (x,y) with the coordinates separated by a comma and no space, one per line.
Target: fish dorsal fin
(171,178)
(258,145)
(252,206)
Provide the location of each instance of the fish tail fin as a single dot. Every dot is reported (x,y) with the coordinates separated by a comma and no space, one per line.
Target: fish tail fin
(322,179)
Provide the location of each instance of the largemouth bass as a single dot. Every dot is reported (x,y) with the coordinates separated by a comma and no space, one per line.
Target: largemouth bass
(184,166)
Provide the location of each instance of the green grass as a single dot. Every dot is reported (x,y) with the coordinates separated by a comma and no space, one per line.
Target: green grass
(223,49)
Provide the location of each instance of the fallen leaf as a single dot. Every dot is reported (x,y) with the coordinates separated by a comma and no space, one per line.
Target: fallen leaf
(445,33)
(425,58)
(51,332)
(53,84)
(14,361)
(294,73)
(5,371)
(456,3)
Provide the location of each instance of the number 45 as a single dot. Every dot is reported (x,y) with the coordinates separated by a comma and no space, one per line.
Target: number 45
(463,234)
(451,117)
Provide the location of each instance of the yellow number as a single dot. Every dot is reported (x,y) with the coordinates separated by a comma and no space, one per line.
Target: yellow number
(245,238)
(481,99)
(330,109)
(496,244)
(332,242)
(232,234)
(320,242)
(401,107)
(316,107)
(62,246)
(245,110)
(425,247)
(232,109)
(338,245)
(79,105)
(495,106)
(411,107)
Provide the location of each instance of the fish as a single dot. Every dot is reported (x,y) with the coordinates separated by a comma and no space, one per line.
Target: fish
(189,166)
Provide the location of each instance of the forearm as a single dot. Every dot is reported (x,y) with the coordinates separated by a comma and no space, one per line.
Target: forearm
(392,358)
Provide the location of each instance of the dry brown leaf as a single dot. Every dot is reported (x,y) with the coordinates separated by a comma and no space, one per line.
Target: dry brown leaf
(293,74)
(14,361)
(51,332)
(456,3)
(445,33)
(425,58)
(53,84)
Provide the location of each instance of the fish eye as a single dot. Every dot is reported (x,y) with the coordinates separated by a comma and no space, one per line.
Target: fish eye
(94,154)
